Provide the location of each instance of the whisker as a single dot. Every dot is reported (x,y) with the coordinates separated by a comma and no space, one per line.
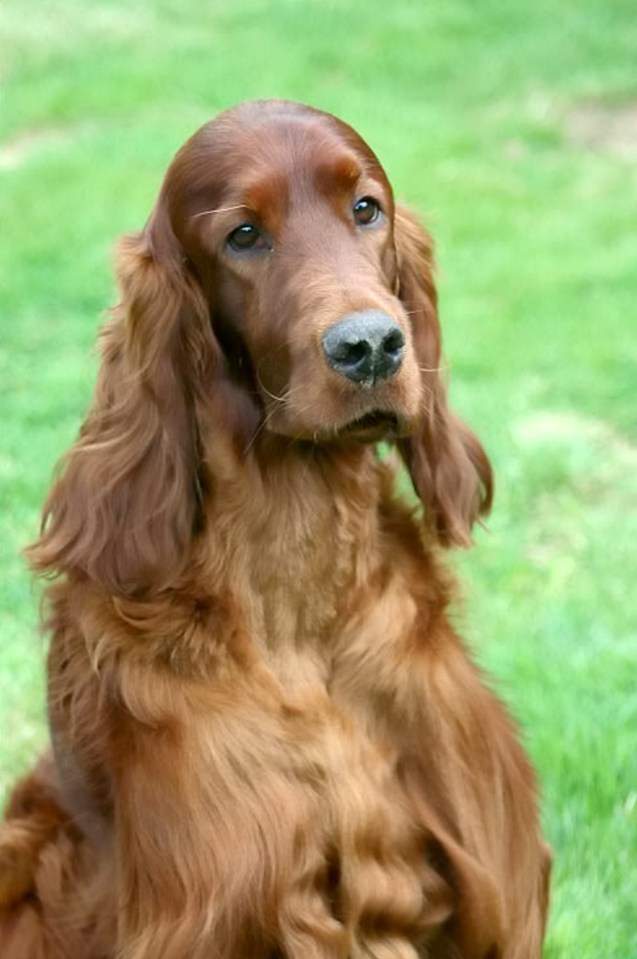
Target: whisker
(264,422)
(219,209)
(277,399)
(286,395)
(434,369)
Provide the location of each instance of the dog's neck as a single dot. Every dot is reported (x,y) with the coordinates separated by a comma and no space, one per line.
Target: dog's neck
(298,545)
(290,535)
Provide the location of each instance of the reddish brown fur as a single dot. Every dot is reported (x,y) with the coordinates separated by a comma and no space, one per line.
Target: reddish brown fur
(268,740)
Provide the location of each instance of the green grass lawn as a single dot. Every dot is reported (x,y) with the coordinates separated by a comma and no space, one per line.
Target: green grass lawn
(512,127)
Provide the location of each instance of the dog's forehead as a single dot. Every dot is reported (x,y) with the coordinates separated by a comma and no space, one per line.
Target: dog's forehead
(254,144)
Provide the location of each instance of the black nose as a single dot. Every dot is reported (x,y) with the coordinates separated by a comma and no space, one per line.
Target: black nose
(365,347)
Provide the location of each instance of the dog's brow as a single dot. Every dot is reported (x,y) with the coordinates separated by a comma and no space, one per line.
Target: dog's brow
(344,169)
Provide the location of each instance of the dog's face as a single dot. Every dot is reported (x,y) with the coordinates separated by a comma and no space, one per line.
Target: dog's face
(286,218)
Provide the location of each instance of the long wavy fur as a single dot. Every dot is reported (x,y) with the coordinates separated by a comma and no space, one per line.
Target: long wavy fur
(267,739)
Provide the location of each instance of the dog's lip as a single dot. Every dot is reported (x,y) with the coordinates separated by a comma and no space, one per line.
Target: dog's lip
(374,425)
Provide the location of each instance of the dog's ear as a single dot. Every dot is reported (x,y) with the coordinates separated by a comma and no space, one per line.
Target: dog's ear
(448,466)
(126,502)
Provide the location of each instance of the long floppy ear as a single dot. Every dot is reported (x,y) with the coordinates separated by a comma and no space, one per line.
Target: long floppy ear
(448,466)
(125,505)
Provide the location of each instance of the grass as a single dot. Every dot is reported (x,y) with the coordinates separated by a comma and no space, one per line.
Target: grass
(469,106)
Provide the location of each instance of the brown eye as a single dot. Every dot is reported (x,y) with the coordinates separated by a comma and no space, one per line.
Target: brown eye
(245,237)
(366,211)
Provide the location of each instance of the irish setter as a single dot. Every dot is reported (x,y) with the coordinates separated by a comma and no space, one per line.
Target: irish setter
(267,738)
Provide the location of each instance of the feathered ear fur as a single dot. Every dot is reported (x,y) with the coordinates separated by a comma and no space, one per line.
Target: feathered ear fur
(448,466)
(125,505)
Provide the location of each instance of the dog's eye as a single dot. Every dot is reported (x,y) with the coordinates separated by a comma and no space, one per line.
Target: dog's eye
(246,237)
(366,210)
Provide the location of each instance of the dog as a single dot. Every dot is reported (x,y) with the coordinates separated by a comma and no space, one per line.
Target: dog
(267,738)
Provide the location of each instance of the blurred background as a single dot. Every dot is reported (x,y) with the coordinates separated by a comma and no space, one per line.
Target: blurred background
(512,129)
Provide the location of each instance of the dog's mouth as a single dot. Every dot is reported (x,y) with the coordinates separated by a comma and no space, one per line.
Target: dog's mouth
(372,427)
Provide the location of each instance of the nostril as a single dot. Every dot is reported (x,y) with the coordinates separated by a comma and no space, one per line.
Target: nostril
(393,342)
(356,352)
(353,358)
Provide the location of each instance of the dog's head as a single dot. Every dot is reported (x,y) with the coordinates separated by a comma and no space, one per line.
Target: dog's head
(277,289)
